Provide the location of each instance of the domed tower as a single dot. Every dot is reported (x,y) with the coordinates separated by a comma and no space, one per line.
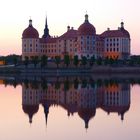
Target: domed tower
(86,114)
(30,101)
(30,42)
(86,39)
(30,110)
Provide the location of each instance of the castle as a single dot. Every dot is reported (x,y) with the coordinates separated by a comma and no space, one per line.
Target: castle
(82,42)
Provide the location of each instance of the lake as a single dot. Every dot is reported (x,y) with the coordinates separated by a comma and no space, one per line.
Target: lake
(65,108)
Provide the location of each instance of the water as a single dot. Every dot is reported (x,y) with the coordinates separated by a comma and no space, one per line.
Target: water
(68,108)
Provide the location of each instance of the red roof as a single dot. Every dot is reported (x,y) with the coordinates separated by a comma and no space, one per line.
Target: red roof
(116,33)
(99,38)
(30,32)
(70,34)
(30,109)
(86,29)
(118,109)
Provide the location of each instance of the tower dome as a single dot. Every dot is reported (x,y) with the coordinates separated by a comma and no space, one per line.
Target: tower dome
(30,32)
(86,28)
(30,110)
(125,32)
(86,114)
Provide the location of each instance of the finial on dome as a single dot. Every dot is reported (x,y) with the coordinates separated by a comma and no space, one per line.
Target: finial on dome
(30,22)
(86,17)
(122,24)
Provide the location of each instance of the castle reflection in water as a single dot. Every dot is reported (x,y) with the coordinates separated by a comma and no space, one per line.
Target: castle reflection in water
(76,97)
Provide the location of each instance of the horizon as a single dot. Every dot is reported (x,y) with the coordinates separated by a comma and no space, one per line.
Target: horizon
(59,17)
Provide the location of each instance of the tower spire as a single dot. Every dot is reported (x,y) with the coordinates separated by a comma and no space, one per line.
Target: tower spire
(46,111)
(46,30)
(46,24)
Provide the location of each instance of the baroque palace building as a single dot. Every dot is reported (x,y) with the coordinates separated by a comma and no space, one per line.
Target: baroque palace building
(81,42)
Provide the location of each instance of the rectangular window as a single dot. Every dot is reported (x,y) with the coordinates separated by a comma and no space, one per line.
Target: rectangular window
(114,49)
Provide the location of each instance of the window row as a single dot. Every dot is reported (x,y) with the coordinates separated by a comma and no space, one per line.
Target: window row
(112,44)
(30,45)
(31,50)
(112,49)
(112,39)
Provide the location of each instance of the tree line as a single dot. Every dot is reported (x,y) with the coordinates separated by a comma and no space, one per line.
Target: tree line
(67,61)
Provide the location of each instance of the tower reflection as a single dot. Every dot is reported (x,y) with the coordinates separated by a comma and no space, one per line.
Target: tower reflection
(77,96)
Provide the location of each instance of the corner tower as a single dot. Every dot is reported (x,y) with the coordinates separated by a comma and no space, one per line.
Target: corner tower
(30,42)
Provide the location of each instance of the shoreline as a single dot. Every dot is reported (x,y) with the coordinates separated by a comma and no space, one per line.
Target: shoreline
(70,71)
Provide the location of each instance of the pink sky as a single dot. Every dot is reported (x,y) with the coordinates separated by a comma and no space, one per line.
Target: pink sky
(14,16)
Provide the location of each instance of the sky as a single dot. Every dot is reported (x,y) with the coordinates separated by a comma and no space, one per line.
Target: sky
(14,16)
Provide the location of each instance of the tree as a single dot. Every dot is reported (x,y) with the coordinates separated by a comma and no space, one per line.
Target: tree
(99,61)
(84,83)
(44,84)
(26,83)
(15,61)
(111,61)
(92,61)
(106,61)
(76,60)
(66,85)
(34,60)
(76,83)
(34,84)
(66,60)
(99,83)
(57,85)
(57,60)
(26,61)
(44,60)
(138,61)
(84,60)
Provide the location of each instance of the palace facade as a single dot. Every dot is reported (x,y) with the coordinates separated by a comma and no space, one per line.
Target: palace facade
(81,42)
